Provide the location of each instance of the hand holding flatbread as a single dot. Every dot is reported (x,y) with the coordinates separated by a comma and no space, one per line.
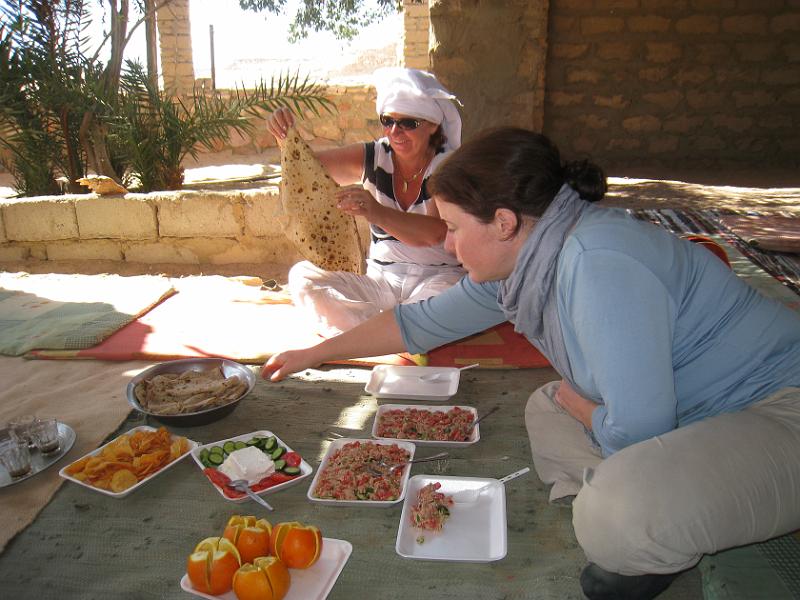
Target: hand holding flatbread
(321,232)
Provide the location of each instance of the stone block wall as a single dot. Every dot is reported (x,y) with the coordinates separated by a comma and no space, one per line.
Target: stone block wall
(675,84)
(492,56)
(416,34)
(175,44)
(180,228)
(354,120)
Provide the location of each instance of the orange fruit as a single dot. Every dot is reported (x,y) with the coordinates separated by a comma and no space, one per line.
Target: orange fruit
(212,565)
(266,579)
(297,545)
(250,536)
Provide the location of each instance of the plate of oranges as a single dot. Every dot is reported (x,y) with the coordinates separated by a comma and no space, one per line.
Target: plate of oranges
(253,559)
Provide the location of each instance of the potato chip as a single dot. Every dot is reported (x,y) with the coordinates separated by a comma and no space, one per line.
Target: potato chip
(128,459)
(122,480)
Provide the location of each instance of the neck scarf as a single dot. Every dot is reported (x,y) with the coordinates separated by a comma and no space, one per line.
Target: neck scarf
(528,295)
(418,94)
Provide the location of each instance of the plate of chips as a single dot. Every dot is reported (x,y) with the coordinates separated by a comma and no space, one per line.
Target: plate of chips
(128,461)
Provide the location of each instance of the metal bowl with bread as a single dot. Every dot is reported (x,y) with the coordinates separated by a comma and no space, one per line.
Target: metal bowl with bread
(192,391)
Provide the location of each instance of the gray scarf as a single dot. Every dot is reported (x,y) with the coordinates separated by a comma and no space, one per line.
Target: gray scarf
(528,295)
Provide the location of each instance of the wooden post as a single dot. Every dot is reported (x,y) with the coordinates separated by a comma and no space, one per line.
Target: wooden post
(213,68)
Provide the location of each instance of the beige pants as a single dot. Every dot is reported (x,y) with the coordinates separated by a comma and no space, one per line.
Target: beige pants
(338,301)
(658,506)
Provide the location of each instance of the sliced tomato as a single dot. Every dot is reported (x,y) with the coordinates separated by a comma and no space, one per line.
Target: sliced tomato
(292,459)
(216,477)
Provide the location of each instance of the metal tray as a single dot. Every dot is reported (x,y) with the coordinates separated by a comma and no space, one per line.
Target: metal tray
(39,461)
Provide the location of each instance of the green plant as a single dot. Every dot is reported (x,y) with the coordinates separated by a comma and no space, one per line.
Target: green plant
(155,131)
(42,96)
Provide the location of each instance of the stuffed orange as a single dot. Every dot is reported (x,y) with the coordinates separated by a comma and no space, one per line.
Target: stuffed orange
(251,536)
(297,545)
(266,579)
(212,565)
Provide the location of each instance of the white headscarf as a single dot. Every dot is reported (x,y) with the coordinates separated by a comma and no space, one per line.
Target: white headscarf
(418,94)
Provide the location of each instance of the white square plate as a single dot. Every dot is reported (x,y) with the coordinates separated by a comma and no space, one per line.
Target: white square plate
(475,531)
(314,583)
(335,445)
(396,382)
(474,436)
(122,494)
(305,468)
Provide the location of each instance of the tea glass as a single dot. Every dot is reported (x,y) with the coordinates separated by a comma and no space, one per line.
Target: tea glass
(45,435)
(15,457)
(21,427)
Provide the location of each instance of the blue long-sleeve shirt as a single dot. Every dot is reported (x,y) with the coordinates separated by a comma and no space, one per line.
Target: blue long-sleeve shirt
(658,330)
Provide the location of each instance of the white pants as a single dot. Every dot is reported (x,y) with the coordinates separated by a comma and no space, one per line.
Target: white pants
(658,506)
(338,301)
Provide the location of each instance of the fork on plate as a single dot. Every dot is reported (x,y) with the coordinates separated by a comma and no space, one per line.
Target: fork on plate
(383,468)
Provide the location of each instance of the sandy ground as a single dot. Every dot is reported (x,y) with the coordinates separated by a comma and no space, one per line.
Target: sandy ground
(763,191)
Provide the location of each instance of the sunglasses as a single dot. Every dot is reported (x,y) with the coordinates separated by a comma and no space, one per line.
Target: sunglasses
(406,124)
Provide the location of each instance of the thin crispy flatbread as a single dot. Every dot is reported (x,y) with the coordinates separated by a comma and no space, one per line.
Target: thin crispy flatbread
(321,232)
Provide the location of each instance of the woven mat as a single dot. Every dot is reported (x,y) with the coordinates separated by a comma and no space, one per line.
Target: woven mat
(62,312)
(230,318)
(783,267)
(89,396)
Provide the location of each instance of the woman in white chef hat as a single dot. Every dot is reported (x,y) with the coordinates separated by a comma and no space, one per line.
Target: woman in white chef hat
(385,183)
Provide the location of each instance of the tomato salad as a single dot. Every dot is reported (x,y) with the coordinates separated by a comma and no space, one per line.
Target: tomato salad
(432,508)
(455,425)
(346,475)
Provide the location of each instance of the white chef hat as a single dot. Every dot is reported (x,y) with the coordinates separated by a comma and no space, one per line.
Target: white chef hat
(418,94)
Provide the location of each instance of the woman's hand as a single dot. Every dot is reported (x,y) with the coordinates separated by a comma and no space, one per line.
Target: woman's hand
(576,405)
(285,363)
(279,123)
(355,201)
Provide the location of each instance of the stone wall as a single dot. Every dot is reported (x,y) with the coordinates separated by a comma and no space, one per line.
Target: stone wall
(354,120)
(676,84)
(179,228)
(175,44)
(416,34)
(492,56)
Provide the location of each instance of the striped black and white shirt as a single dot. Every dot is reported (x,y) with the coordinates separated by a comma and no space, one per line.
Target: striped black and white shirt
(377,179)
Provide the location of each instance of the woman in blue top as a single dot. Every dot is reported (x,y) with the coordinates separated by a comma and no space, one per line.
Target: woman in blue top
(677,423)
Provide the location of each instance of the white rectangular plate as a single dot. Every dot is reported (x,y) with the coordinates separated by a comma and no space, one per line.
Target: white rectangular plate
(314,583)
(305,468)
(335,445)
(397,382)
(475,435)
(122,494)
(475,531)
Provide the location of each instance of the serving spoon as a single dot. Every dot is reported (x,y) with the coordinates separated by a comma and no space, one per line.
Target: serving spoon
(467,496)
(243,486)
(440,375)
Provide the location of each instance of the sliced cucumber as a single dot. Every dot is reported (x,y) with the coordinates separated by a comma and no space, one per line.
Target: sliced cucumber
(280,464)
(270,444)
(291,470)
(215,459)
(228,447)
(216,450)
(204,454)
(277,453)
(239,445)
(254,442)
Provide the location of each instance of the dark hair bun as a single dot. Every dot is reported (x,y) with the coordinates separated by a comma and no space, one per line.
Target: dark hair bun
(586,178)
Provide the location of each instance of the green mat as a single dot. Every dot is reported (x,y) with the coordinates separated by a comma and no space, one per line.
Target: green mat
(770,570)
(71,312)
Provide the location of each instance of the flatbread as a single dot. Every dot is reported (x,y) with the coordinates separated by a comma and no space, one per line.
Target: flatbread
(321,232)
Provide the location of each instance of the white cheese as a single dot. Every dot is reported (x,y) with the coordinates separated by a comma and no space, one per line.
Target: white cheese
(248,463)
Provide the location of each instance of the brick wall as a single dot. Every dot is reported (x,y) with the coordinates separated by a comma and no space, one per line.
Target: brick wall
(679,84)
